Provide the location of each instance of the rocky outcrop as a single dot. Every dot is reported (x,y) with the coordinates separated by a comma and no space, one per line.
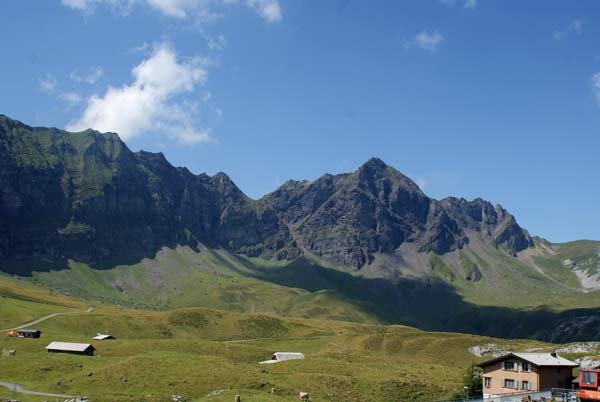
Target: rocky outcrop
(494,223)
(87,196)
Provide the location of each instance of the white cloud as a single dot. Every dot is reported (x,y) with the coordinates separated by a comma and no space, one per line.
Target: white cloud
(83,5)
(48,83)
(140,49)
(91,76)
(172,8)
(270,10)
(201,10)
(560,36)
(425,40)
(596,85)
(574,28)
(217,43)
(89,6)
(466,3)
(150,102)
(71,98)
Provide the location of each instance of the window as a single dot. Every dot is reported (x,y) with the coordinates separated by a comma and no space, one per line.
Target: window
(510,383)
(487,382)
(525,366)
(588,378)
(525,385)
(509,366)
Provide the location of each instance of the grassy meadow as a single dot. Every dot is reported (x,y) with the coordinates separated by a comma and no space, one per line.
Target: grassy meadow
(193,351)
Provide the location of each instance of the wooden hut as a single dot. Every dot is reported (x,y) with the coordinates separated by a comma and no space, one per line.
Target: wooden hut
(72,348)
(29,333)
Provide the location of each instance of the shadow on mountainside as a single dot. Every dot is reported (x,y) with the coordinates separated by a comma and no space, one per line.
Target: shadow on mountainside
(433,305)
(47,262)
(428,304)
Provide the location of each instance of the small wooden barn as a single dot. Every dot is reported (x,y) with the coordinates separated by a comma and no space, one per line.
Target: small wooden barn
(72,348)
(29,333)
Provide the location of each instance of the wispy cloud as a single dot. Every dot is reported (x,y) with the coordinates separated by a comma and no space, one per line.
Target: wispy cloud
(471,4)
(577,26)
(560,36)
(425,40)
(270,10)
(143,48)
(574,28)
(89,6)
(71,98)
(596,85)
(217,43)
(91,76)
(200,10)
(153,102)
(82,5)
(48,83)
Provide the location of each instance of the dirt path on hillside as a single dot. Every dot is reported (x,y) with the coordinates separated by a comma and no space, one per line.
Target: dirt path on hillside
(21,390)
(42,319)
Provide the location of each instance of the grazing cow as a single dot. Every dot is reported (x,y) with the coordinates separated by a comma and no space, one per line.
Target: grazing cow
(303,396)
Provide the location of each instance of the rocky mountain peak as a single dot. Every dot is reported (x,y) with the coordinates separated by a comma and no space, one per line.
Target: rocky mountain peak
(378,175)
(224,184)
(373,165)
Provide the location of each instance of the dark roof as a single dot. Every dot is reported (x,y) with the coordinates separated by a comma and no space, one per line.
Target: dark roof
(537,359)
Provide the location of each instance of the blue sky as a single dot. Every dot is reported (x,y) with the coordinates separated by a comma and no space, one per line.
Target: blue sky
(496,99)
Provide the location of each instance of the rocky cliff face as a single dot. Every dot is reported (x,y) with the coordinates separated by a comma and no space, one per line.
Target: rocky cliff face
(87,196)
(349,217)
(493,222)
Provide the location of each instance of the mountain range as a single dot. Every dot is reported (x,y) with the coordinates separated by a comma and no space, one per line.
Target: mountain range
(383,249)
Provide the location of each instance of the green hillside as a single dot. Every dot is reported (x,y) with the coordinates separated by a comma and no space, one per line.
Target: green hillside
(537,278)
(194,351)
(506,296)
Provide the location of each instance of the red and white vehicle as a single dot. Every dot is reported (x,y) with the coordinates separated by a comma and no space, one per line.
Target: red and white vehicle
(589,385)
